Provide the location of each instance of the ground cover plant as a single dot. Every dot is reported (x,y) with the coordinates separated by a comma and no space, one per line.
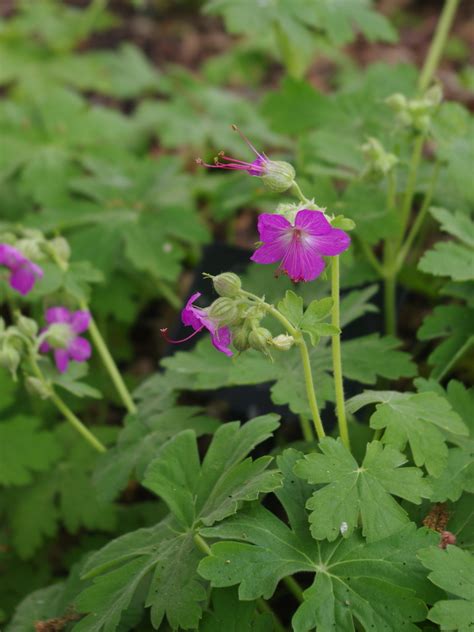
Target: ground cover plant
(236,327)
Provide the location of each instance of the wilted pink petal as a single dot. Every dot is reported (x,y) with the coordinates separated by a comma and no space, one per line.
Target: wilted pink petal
(24,272)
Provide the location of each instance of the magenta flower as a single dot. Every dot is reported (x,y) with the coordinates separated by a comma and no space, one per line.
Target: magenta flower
(62,336)
(299,247)
(199,319)
(24,272)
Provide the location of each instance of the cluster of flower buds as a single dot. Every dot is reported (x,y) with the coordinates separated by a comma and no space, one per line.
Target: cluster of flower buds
(14,341)
(416,113)
(243,317)
(22,253)
(231,319)
(379,162)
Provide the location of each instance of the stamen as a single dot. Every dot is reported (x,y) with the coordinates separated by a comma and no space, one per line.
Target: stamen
(245,139)
(164,333)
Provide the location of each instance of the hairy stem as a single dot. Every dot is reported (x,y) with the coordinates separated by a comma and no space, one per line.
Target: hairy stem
(336,355)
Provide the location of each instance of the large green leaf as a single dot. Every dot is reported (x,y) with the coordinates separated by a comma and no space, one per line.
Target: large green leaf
(373,584)
(210,492)
(353,493)
(156,568)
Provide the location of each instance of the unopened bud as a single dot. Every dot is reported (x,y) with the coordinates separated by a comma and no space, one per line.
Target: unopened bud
(283,342)
(227,284)
(434,95)
(34,386)
(259,338)
(59,335)
(2,325)
(61,248)
(278,175)
(30,248)
(397,102)
(225,311)
(27,326)
(379,160)
(240,339)
(10,359)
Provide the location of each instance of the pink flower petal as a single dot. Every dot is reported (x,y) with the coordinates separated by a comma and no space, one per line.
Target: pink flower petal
(272,226)
(22,279)
(221,340)
(80,321)
(10,256)
(57,315)
(312,222)
(61,358)
(333,243)
(302,263)
(270,252)
(80,349)
(192,316)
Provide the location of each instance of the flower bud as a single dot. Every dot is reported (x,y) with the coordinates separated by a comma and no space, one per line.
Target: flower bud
(27,326)
(34,386)
(10,359)
(398,102)
(227,284)
(225,311)
(283,342)
(259,338)
(278,175)
(61,248)
(2,325)
(30,248)
(378,159)
(59,335)
(240,339)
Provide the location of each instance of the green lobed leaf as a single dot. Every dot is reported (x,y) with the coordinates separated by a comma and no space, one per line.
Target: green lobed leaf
(373,584)
(419,420)
(230,614)
(354,493)
(212,491)
(453,571)
(25,448)
(453,323)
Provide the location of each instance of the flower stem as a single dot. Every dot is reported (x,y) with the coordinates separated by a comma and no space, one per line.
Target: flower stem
(294,588)
(300,342)
(101,346)
(262,605)
(75,422)
(411,185)
(437,44)
(420,218)
(310,392)
(299,193)
(336,355)
(390,304)
(306,429)
(109,363)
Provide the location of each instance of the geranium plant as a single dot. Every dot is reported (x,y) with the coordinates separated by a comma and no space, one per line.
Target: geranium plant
(344,501)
